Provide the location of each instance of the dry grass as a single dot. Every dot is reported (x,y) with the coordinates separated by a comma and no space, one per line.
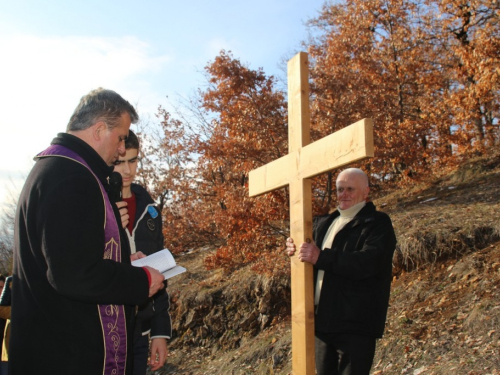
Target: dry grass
(445,319)
(450,217)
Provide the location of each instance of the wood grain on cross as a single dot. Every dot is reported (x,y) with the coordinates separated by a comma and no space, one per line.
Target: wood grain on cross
(303,162)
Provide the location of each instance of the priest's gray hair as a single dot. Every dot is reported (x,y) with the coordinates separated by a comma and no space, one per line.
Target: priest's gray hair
(100,105)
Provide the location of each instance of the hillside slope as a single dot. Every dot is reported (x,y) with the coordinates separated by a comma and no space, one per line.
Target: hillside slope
(444,314)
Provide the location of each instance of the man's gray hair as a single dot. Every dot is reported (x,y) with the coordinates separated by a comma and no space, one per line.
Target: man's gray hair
(358,172)
(100,105)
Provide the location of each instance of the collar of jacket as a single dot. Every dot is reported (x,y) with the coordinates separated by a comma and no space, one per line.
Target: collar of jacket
(82,148)
(143,198)
(365,215)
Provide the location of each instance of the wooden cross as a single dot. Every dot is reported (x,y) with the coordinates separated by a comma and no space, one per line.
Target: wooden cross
(303,162)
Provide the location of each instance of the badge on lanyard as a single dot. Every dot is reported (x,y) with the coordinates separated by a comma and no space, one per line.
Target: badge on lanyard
(152,211)
(151,224)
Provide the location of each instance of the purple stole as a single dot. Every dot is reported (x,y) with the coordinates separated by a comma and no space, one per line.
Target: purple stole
(112,316)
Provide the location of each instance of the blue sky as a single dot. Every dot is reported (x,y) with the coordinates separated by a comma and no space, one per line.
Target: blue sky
(53,52)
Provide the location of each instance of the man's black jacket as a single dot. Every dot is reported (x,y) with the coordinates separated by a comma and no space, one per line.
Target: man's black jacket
(358,272)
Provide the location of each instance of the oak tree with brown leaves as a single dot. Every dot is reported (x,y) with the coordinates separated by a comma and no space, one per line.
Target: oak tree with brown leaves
(239,124)
(427,72)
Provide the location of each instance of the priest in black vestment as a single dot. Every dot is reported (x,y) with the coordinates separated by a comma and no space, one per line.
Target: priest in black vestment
(74,291)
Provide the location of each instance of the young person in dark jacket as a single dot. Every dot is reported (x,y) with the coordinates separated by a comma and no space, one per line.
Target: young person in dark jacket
(74,291)
(352,278)
(145,235)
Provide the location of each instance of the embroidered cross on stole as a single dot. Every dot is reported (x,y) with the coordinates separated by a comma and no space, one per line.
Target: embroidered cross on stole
(112,316)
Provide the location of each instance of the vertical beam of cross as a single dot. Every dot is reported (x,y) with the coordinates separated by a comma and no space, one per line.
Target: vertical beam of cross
(300,219)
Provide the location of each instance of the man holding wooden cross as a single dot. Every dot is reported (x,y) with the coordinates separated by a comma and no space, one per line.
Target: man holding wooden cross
(356,265)
(352,278)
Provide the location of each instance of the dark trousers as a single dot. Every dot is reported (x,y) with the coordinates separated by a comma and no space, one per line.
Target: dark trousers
(141,353)
(344,354)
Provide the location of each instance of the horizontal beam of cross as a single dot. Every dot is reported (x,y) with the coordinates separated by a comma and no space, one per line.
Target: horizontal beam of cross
(346,146)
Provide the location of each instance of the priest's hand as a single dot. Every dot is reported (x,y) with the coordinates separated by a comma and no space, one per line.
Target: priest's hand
(159,352)
(122,207)
(137,255)
(156,281)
